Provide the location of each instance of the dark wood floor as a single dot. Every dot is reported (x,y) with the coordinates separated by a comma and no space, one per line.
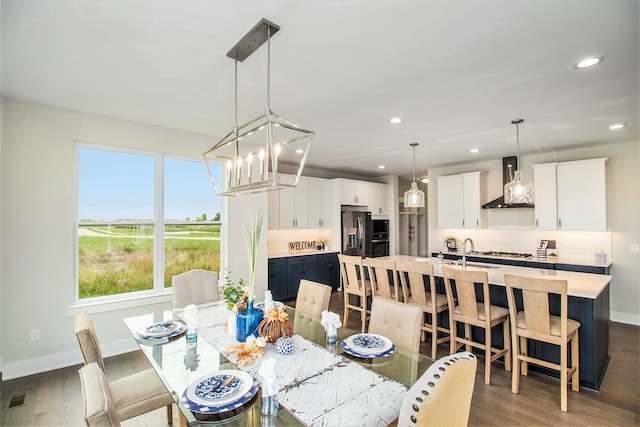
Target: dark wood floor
(53,398)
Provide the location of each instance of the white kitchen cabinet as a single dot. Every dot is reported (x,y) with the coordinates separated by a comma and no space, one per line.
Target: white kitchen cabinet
(571,196)
(294,205)
(354,193)
(582,195)
(379,200)
(273,210)
(319,203)
(460,200)
(545,193)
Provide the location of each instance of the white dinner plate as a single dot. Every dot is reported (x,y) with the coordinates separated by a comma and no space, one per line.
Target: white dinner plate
(159,329)
(245,381)
(376,344)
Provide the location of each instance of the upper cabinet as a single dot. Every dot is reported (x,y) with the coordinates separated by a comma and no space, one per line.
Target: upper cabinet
(379,199)
(294,205)
(319,203)
(354,193)
(460,200)
(579,195)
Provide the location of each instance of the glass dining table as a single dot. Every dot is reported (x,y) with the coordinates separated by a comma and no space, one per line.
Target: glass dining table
(318,384)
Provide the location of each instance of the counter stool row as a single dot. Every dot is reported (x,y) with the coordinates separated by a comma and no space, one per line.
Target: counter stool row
(528,315)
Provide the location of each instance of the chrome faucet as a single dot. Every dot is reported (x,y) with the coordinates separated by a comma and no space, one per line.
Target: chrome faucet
(464,251)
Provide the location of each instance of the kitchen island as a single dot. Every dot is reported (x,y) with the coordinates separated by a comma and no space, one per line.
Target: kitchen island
(588,304)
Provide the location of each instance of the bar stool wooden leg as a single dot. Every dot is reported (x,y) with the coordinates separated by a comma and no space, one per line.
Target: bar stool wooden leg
(575,362)
(507,344)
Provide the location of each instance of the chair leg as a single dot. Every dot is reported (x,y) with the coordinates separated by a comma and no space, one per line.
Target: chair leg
(434,335)
(524,352)
(467,335)
(345,320)
(507,345)
(563,377)
(452,336)
(170,414)
(487,355)
(515,374)
(575,362)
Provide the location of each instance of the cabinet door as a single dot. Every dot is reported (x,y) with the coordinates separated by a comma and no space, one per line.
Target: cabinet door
(277,281)
(362,193)
(273,210)
(354,193)
(473,195)
(298,268)
(582,200)
(546,205)
(450,201)
(319,203)
(329,270)
(379,199)
(294,205)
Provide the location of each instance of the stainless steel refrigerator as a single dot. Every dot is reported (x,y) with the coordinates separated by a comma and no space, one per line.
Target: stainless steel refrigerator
(357,231)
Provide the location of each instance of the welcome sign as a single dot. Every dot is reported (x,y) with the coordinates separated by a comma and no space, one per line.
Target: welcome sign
(302,246)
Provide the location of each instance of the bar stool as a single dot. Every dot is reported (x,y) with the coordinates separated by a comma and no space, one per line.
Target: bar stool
(535,322)
(470,312)
(380,271)
(354,283)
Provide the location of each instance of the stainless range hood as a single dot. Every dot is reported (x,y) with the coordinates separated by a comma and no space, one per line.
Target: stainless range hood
(509,165)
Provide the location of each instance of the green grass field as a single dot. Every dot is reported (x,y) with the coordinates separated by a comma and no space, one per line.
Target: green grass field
(114,260)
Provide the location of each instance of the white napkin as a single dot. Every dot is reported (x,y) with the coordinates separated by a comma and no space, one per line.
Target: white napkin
(268,301)
(191,316)
(267,370)
(331,322)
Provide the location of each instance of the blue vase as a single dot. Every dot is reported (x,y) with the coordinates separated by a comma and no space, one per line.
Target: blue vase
(247,322)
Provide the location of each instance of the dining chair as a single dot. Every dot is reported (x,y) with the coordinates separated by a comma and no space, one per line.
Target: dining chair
(194,287)
(313,298)
(442,395)
(354,283)
(535,322)
(470,312)
(383,277)
(412,277)
(397,321)
(133,395)
(99,407)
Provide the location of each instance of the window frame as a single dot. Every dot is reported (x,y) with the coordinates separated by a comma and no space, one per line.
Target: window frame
(158,293)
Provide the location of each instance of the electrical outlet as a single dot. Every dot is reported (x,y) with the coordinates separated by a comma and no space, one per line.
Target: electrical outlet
(35,334)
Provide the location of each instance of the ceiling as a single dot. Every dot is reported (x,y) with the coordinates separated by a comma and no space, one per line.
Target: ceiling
(457,72)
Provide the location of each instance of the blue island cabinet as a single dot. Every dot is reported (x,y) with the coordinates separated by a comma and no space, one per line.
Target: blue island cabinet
(285,273)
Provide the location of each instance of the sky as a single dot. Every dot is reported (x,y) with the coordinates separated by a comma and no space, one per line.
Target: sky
(115,185)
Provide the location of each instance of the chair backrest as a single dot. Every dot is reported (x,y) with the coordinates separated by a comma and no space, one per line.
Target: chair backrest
(397,321)
(352,271)
(379,272)
(465,281)
(195,287)
(535,298)
(99,409)
(87,339)
(442,395)
(313,298)
(412,278)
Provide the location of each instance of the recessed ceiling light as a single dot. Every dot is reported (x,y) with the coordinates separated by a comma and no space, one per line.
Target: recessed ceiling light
(474,150)
(424,180)
(395,120)
(617,126)
(299,151)
(589,62)
(381,167)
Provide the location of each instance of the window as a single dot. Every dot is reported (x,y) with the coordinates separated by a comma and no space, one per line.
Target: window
(142,218)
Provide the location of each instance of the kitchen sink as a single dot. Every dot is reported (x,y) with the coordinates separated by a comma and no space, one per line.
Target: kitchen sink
(474,265)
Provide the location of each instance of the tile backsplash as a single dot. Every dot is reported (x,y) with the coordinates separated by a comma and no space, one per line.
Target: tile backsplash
(573,245)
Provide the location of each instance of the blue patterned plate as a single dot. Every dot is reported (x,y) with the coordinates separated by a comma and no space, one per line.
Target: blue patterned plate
(203,392)
(160,329)
(368,343)
(355,353)
(239,400)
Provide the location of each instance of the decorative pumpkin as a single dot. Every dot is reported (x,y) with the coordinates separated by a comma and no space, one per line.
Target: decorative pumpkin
(284,345)
(275,324)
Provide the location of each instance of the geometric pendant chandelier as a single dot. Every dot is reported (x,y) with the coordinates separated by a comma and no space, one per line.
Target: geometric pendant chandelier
(253,153)
(414,197)
(518,190)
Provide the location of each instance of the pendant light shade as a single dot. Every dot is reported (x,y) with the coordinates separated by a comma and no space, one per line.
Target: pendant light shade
(518,190)
(252,154)
(414,198)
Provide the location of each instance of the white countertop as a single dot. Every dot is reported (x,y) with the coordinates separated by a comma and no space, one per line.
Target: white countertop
(549,260)
(287,254)
(584,285)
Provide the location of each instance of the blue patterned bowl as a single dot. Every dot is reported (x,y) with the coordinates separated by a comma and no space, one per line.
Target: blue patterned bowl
(284,345)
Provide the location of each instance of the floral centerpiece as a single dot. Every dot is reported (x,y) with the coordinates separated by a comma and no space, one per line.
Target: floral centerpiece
(275,324)
(452,243)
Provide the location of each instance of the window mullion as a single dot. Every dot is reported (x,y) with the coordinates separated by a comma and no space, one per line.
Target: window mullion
(158,277)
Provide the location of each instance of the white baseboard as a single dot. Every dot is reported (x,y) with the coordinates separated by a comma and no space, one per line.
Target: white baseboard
(50,362)
(631,319)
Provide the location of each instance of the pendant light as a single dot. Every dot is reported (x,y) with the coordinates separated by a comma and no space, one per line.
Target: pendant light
(518,190)
(414,198)
(253,153)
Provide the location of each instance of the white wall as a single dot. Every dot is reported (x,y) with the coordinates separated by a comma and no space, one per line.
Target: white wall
(623,213)
(38,200)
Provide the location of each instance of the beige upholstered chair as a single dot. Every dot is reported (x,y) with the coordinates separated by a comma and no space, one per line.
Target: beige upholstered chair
(535,322)
(442,395)
(313,298)
(354,283)
(133,395)
(99,408)
(397,321)
(194,287)
(412,276)
(470,312)
(379,272)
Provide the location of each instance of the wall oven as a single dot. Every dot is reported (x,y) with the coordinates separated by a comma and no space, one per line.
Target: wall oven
(380,239)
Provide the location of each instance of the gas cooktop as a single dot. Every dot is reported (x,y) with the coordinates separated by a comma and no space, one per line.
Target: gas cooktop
(502,254)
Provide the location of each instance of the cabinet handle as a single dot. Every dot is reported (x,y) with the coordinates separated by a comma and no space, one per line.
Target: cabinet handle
(536,222)
(477,222)
(559,222)
(463,222)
